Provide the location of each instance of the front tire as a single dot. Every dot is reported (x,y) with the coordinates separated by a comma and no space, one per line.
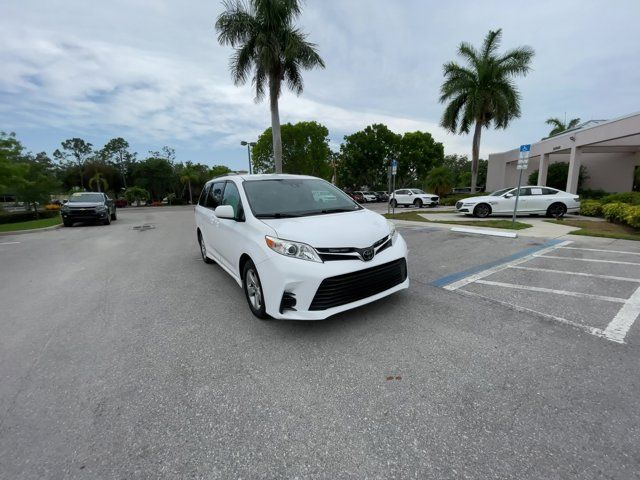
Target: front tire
(418,203)
(556,210)
(393,202)
(253,290)
(482,210)
(67,223)
(203,249)
(107,221)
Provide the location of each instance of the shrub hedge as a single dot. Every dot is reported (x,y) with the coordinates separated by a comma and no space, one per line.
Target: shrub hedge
(591,208)
(16,217)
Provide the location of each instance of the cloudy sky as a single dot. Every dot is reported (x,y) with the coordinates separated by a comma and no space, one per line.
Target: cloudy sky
(152,71)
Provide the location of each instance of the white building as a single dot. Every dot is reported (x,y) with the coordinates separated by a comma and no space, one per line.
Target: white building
(609,149)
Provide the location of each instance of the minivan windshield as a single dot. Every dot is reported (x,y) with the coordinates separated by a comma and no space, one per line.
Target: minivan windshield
(498,193)
(86,198)
(296,197)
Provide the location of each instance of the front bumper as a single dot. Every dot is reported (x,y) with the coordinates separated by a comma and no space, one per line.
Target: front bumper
(84,215)
(301,278)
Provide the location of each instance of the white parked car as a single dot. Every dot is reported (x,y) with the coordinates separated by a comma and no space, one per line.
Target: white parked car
(299,247)
(368,196)
(413,196)
(533,200)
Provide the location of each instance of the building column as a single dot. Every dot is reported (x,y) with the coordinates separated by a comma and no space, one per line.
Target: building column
(574,170)
(543,169)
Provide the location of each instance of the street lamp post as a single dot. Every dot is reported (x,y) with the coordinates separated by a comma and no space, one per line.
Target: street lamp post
(249,145)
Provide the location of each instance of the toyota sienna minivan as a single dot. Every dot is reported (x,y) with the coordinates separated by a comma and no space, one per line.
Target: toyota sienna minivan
(298,246)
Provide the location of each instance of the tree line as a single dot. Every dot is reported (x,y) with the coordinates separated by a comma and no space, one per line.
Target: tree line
(114,168)
(361,162)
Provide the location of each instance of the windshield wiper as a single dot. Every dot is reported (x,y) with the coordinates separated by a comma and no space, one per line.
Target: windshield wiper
(337,210)
(276,215)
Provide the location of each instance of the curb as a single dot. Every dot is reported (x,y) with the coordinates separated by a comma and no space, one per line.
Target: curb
(484,232)
(21,232)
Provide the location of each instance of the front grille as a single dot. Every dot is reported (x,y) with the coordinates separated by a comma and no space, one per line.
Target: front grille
(78,212)
(434,199)
(458,205)
(351,253)
(351,287)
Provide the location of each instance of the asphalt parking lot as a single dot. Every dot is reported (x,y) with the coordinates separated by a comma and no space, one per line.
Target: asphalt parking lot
(123,355)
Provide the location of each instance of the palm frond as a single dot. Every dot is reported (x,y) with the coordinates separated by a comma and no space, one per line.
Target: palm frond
(491,43)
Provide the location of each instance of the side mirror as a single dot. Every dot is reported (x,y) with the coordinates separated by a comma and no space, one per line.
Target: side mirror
(225,211)
(508,195)
(410,193)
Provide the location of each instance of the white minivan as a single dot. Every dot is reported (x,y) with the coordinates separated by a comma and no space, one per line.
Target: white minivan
(298,246)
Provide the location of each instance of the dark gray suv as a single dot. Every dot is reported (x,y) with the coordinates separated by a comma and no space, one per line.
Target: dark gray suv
(88,207)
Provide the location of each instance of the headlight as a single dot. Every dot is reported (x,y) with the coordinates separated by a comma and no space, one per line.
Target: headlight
(293,249)
(393,233)
(101,208)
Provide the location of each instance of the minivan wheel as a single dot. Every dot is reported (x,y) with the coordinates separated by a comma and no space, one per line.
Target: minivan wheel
(418,203)
(253,290)
(203,249)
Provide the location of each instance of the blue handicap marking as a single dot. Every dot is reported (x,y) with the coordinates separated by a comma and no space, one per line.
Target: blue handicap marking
(525,148)
(394,163)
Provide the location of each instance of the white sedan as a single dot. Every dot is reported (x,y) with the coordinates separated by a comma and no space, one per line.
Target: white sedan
(298,246)
(533,200)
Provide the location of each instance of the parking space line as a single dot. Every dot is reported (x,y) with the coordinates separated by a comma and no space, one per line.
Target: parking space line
(518,308)
(600,250)
(554,291)
(460,279)
(9,243)
(581,274)
(618,262)
(617,329)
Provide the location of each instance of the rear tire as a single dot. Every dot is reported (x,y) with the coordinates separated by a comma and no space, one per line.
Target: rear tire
(556,210)
(114,215)
(393,203)
(253,290)
(482,210)
(418,203)
(203,249)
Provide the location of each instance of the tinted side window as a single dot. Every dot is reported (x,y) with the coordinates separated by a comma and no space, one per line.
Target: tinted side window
(548,191)
(525,191)
(214,197)
(232,197)
(203,195)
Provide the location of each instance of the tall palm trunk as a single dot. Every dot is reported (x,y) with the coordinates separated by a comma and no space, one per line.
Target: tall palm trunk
(190,194)
(275,124)
(475,155)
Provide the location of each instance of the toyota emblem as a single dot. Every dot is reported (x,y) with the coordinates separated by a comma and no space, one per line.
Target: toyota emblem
(367,254)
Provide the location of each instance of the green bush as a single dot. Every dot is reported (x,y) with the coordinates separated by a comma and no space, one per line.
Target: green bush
(591,208)
(615,212)
(593,194)
(450,201)
(625,197)
(16,217)
(633,216)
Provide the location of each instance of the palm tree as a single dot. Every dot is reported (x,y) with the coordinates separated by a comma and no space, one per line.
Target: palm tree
(483,92)
(189,175)
(269,47)
(100,181)
(439,179)
(559,126)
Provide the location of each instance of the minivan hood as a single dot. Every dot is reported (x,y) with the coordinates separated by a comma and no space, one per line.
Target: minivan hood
(360,229)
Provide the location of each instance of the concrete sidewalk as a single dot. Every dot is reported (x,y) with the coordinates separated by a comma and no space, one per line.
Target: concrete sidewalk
(540,228)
